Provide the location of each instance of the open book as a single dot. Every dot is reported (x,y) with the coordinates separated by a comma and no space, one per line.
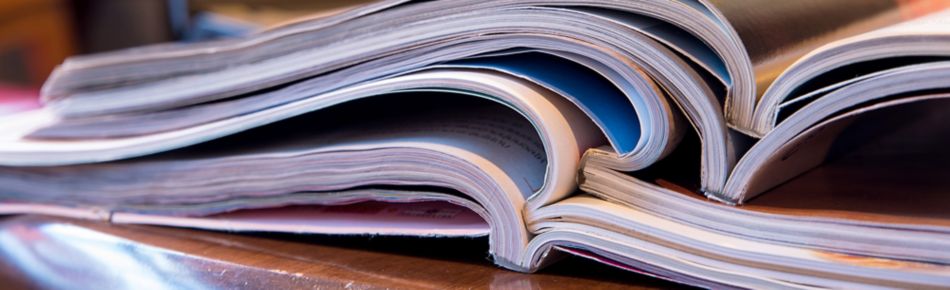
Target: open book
(635,133)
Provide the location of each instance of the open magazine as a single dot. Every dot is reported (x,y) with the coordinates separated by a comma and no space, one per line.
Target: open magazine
(681,139)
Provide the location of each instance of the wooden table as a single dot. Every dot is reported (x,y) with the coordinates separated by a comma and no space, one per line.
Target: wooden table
(47,252)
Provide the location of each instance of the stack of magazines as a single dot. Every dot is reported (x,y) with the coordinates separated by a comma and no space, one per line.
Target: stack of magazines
(716,143)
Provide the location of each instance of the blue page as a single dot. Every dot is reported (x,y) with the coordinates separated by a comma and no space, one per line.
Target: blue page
(599,98)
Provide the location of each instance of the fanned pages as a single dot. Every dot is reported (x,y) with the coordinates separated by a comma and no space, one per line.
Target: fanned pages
(752,144)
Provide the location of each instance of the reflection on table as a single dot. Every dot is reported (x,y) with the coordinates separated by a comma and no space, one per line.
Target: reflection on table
(44,252)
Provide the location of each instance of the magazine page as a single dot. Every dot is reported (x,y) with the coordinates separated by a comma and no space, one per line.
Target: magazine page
(777,34)
(905,83)
(847,61)
(708,257)
(870,139)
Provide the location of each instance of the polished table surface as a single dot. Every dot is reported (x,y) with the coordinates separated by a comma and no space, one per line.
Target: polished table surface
(46,252)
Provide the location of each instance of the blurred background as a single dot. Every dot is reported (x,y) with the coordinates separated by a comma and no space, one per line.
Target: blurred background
(37,35)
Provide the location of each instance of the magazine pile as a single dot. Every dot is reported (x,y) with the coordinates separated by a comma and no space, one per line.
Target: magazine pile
(752,144)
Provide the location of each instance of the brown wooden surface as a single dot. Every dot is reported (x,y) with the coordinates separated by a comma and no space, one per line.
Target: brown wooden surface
(46,252)
(35,36)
